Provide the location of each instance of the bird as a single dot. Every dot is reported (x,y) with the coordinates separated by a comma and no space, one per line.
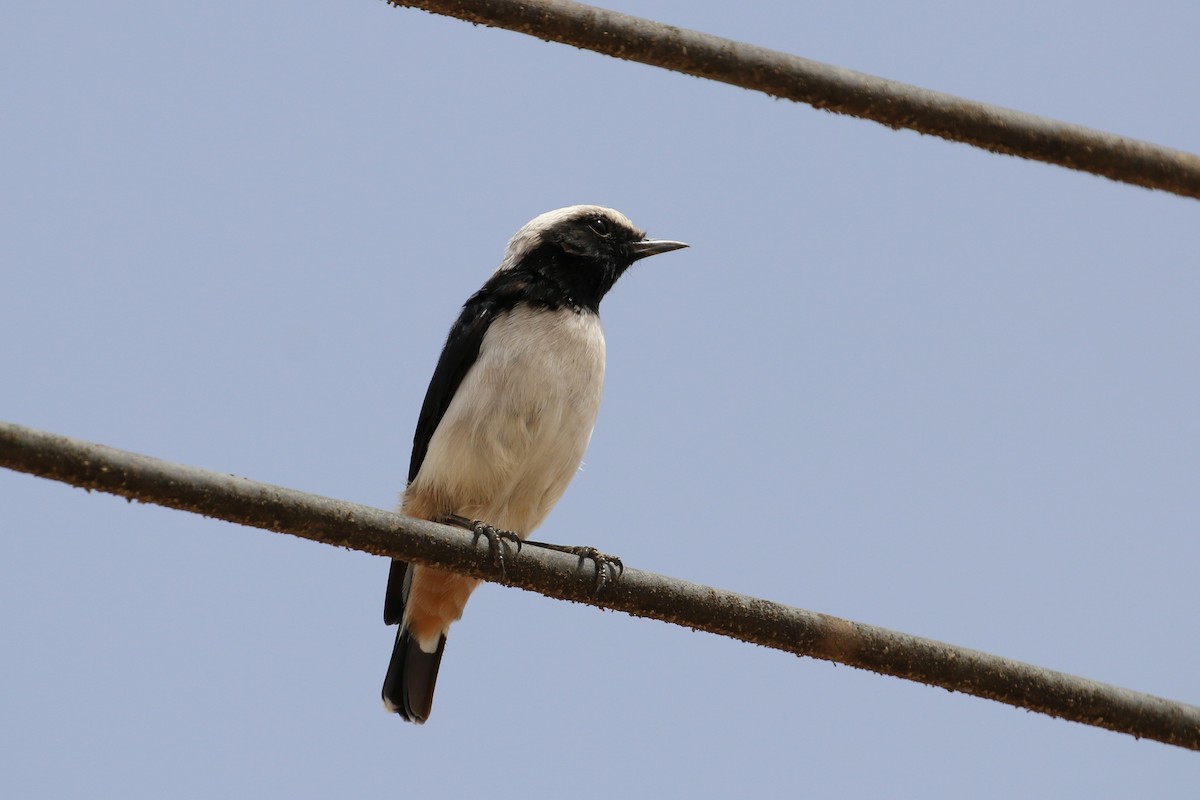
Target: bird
(506,419)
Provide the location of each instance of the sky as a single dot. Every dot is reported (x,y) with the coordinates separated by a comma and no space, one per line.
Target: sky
(894,379)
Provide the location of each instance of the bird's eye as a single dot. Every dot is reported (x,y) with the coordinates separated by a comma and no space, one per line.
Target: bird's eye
(599,225)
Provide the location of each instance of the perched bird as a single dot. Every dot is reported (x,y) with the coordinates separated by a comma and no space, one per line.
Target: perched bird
(507,417)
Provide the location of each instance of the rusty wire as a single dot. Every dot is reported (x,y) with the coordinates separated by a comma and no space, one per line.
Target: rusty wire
(843,91)
(643,594)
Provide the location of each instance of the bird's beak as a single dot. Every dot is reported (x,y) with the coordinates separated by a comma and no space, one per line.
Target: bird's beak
(652,247)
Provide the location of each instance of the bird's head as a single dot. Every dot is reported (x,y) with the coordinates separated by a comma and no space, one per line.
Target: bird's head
(581,250)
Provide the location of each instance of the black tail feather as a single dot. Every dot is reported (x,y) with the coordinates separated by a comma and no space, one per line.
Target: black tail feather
(411,677)
(399,577)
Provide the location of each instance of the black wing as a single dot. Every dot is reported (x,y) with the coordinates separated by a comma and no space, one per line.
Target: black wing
(458,355)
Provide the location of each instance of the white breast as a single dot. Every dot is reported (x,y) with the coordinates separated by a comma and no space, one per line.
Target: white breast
(515,432)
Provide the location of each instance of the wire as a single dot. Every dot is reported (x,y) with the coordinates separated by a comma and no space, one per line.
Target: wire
(643,594)
(843,91)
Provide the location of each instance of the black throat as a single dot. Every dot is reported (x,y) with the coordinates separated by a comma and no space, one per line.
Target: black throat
(548,277)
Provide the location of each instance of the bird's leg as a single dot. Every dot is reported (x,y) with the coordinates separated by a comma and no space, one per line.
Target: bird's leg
(493,535)
(603,561)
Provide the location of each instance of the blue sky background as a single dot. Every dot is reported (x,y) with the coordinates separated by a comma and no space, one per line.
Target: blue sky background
(895,379)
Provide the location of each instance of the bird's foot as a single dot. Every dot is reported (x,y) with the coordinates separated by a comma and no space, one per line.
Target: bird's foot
(604,563)
(495,537)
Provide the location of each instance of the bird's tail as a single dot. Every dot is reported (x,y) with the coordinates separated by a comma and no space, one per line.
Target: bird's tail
(411,677)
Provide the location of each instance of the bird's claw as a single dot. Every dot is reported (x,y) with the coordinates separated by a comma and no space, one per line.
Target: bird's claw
(494,538)
(604,562)
(493,535)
